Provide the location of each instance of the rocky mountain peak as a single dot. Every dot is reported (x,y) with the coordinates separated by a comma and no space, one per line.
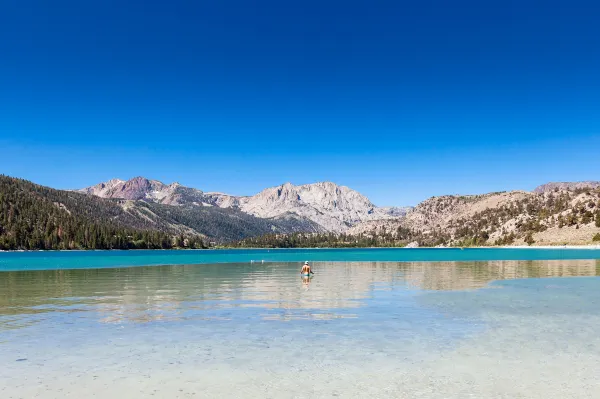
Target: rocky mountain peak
(135,189)
(331,206)
(141,188)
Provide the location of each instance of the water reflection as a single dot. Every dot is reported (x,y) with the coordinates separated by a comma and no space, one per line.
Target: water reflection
(306,281)
(473,275)
(212,292)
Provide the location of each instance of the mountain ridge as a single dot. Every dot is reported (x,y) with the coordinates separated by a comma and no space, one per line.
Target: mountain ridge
(552,186)
(333,207)
(565,215)
(484,219)
(37,217)
(143,213)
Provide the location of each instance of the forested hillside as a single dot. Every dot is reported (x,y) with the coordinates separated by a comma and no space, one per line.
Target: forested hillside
(37,217)
(319,240)
(219,224)
(559,216)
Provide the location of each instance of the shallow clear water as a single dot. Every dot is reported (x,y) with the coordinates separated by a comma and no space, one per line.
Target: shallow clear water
(356,329)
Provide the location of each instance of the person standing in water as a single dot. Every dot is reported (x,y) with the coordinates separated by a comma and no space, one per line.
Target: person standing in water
(306,269)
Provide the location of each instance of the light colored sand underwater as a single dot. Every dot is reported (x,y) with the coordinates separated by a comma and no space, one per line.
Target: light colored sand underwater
(358,330)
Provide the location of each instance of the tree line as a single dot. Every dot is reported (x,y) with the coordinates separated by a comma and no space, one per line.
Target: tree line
(35,217)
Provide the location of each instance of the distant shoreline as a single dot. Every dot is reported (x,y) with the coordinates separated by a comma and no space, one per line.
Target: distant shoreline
(591,246)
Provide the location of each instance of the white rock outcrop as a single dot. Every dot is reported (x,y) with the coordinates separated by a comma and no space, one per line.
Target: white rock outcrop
(335,208)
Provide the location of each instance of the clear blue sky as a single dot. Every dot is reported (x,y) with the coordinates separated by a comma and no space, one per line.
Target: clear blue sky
(400,100)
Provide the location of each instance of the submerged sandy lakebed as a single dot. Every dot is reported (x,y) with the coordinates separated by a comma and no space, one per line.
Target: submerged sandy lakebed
(412,329)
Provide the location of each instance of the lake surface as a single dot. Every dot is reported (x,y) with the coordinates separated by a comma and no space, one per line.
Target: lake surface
(358,328)
(45,260)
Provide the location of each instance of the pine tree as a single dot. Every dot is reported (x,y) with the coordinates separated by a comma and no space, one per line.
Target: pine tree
(529,239)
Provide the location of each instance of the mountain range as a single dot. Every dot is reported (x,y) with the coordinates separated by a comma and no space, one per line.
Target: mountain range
(328,207)
(556,212)
(145,213)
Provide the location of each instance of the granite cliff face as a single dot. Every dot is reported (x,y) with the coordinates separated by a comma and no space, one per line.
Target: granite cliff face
(335,208)
(332,207)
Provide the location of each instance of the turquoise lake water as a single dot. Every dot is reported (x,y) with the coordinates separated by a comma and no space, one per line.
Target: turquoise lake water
(98,259)
(371,323)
